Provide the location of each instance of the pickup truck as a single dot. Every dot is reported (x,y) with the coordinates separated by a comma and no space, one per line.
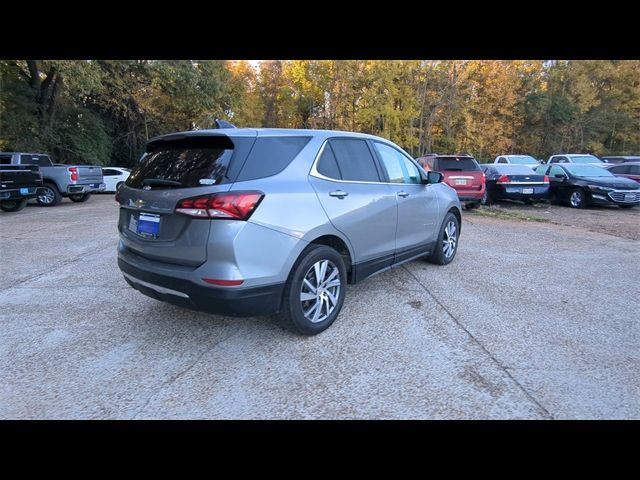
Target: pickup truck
(77,182)
(18,183)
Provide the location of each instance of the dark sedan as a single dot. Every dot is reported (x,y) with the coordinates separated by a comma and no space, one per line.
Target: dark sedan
(582,185)
(514,182)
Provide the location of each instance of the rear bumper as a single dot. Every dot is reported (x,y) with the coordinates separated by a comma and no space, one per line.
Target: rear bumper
(252,301)
(16,194)
(539,193)
(89,188)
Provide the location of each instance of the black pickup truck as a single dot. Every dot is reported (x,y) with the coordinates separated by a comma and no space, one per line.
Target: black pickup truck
(18,183)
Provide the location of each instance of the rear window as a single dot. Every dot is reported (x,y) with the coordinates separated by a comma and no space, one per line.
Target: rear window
(271,155)
(5,159)
(585,159)
(192,162)
(457,164)
(41,160)
(513,169)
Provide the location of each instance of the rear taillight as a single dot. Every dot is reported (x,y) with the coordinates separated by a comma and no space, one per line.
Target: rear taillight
(229,205)
(504,179)
(73,174)
(545,179)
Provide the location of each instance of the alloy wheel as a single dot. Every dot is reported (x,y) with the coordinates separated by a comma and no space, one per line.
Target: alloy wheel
(450,239)
(320,291)
(47,197)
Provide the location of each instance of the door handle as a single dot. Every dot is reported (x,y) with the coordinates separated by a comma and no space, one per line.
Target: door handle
(402,193)
(338,193)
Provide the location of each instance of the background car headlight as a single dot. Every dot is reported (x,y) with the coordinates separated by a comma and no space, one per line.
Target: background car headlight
(598,188)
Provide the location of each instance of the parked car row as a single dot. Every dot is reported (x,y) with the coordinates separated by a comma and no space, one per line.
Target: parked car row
(34,175)
(578,180)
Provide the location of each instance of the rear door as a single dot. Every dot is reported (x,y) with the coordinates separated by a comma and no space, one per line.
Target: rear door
(349,186)
(417,204)
(173,170)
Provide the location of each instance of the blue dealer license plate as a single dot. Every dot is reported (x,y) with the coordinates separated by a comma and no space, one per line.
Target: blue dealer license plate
(148,225)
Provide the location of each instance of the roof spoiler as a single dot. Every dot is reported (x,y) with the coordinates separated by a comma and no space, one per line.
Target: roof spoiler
(222,124)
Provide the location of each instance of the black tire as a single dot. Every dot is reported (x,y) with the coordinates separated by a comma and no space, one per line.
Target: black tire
(578,198)
(13,205)
(438,255)
(626,206)
(487,199)
(79,197)
(49,196)
(292,314)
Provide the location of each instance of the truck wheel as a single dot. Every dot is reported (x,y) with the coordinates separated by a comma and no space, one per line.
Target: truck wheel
(49,196)
(315,290)
(13,205)
(79,197)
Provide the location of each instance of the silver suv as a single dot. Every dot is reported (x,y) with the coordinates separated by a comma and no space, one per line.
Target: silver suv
(261,221)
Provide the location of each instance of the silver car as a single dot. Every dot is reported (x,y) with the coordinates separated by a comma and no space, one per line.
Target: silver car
(263,221)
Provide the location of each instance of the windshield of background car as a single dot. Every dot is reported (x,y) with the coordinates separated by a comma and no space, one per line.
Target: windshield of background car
(585,159)
(587,171)
(457,164)
(522,160)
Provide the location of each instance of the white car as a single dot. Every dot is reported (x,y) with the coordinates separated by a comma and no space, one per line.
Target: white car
(583,158)
(114,177)
(526,160)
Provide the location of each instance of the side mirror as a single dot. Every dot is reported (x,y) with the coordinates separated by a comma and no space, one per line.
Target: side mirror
(559,175)
(434,177)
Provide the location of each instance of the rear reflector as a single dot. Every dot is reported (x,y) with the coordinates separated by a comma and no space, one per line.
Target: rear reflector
(228,205)
(223,283)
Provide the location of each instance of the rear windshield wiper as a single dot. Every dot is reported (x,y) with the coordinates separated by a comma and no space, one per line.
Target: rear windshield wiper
(160,182)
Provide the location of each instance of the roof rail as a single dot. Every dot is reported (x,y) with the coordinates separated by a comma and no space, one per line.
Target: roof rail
(223,124)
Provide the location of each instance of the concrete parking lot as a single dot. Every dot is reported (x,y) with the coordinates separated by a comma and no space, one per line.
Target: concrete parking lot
(534,320)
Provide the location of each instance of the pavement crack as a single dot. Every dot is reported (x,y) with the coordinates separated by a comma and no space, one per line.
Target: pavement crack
(546,414)
(180,374)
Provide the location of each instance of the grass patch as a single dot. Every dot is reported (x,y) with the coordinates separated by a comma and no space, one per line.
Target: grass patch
(497,212)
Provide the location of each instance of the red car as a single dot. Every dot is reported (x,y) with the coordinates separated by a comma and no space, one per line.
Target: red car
(461,172)
(629,170)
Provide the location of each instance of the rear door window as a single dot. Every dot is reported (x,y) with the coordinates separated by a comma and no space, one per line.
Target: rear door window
(355,160)
(41,160)
(270,155)
(5,159)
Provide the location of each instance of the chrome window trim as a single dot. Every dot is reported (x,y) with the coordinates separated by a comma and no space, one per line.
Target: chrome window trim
(314,171)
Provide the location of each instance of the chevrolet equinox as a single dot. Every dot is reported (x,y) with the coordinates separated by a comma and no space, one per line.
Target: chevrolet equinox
(249,222)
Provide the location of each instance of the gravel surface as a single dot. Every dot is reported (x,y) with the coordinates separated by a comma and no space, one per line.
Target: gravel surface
(531,320)
(612,220)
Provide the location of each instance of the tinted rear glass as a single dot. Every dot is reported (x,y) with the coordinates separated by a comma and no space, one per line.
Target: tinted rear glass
(191,162)
(355,160)
(41,160)
(5,159)
(458,164)
(513,169)
(327,165)
(271,155)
